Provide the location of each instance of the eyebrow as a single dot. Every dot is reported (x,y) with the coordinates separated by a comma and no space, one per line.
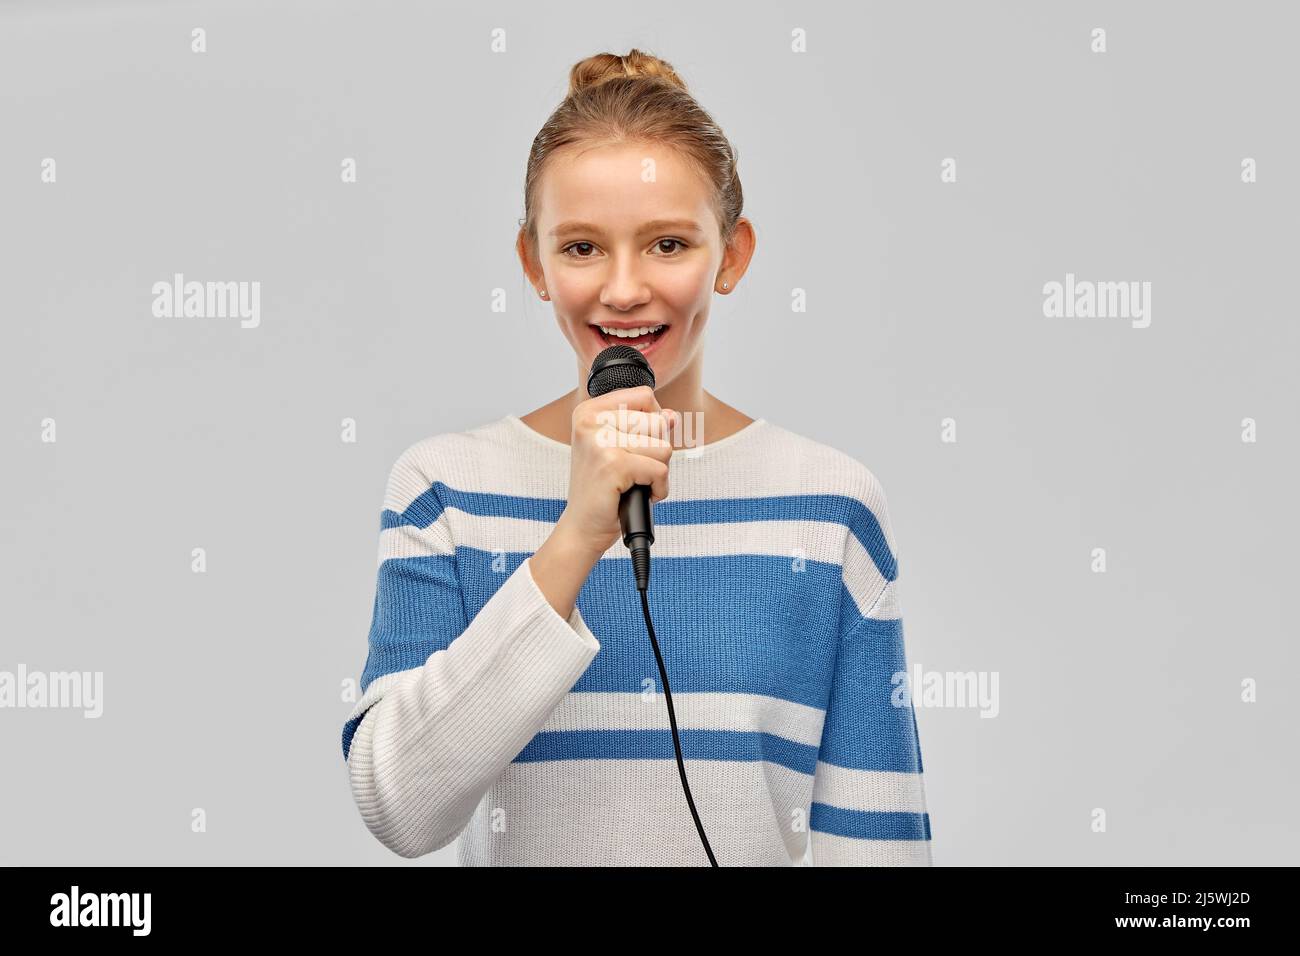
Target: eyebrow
(686,225)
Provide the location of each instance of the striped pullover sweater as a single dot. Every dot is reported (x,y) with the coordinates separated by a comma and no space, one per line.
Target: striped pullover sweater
(540,740)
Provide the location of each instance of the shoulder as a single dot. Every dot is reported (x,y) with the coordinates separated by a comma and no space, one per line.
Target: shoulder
(824,468)
(435,454)
(854,493)
(452,458)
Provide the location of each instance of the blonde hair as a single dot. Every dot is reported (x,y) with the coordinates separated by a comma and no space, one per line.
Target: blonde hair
(632,98)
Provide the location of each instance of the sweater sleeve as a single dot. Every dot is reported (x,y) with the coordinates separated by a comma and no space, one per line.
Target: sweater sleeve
(868,804)
(447,703)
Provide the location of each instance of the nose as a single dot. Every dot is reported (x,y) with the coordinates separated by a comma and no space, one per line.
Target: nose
(624,288)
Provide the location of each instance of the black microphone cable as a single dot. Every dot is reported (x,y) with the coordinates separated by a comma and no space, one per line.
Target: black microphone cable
(672,721)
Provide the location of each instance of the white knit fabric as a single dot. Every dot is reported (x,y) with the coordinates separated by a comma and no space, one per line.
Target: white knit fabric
(540,740)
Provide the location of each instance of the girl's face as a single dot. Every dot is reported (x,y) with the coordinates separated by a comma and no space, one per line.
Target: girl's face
(627,237)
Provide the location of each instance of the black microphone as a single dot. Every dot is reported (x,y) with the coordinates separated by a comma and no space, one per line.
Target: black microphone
(621,366)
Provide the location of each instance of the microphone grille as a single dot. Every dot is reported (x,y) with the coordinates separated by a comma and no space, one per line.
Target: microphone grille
(619,366)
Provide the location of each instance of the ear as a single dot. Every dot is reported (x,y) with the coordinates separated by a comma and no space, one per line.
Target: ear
(532,268)
(738,252)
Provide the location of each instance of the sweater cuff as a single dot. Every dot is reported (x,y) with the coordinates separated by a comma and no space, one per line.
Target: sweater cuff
(574,620)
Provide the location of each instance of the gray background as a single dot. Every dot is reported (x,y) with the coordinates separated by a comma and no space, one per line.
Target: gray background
(222,690)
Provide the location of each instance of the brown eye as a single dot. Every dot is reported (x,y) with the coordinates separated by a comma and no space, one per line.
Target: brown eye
(575,245)
(676,242)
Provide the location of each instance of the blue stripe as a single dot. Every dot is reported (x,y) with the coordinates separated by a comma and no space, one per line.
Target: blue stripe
(869,824)
(658,745)
(769,629)
(349,731)
(741,624)
(837,509)
(770,633)
(426,509)
(870,724)
(916,739)
(418,610)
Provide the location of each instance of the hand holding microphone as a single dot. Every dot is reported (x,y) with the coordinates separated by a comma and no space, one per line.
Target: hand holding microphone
(614,451)
(621,368)
(619,464)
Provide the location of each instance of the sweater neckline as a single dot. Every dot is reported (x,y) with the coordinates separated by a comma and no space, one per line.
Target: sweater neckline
(687,454)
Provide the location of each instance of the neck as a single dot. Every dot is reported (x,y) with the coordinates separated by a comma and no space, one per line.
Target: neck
(710,419)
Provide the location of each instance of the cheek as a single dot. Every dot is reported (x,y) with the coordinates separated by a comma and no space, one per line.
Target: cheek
(686,291)
(567,289)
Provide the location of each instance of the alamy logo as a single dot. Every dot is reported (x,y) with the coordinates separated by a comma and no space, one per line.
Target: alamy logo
(102,909)
(208,300)
(57,689)
(921,688)
(1100,300)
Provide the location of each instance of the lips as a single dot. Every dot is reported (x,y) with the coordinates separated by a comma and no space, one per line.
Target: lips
(645,344)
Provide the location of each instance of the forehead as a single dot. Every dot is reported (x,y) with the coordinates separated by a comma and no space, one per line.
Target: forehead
(621,186)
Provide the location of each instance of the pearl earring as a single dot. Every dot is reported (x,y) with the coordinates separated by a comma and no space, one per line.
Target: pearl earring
(724,285)
(543,293)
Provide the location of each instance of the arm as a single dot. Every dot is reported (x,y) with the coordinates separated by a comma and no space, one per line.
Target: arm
(447,703)
(868,804)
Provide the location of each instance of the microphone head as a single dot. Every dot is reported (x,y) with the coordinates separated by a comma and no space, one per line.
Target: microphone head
(619,366)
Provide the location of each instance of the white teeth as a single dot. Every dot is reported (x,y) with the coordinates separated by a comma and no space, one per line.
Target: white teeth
(631,333)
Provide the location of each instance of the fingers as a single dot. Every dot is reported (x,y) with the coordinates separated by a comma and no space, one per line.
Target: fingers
(659,449)
(646,471)
(632,420)
(642,398)
(626,417)
(635,423)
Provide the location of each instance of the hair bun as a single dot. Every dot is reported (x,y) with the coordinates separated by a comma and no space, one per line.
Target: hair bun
(602,67)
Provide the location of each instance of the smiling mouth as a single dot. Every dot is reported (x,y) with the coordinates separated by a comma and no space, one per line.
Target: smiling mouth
(641,341)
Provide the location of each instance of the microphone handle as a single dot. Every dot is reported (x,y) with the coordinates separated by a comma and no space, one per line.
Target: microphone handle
(638,530)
